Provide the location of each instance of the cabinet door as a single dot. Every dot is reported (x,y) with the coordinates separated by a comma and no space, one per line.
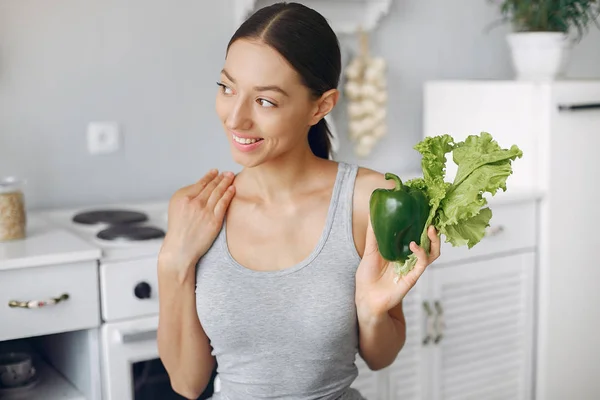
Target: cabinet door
(407,377)
(485,317)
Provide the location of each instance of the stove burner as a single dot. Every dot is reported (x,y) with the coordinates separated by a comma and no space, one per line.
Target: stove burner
(111,217)
(130,233)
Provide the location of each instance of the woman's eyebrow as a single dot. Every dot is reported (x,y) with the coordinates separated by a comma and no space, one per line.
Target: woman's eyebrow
(273,88)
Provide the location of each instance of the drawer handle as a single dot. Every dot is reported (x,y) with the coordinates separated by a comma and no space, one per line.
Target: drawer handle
(439,322)
(137,336)
(494,230)
(430,328)
(38,303)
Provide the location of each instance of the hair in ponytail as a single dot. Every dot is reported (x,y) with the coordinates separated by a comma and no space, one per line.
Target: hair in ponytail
(305,39)
(319,139)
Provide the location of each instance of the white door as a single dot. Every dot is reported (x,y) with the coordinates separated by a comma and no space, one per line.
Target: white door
(484,311)
(123,344)
(569,344)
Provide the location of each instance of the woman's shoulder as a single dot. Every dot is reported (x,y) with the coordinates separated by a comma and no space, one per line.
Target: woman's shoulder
(367,180)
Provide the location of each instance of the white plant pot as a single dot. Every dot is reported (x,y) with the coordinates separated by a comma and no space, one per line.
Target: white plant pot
(539,56)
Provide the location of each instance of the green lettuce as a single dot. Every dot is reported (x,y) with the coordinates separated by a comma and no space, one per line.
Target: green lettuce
(458,209)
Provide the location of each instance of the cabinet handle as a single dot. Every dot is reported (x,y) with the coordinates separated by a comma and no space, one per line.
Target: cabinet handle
(439,322)
(136,336)
(578,107)
(429,329)
(494,230)
(38,303)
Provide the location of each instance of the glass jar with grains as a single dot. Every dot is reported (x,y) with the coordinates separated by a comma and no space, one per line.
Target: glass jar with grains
(12,209)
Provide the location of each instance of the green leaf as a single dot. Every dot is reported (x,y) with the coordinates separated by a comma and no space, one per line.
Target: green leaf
(433,150)
(479,150)
(483,166)
(469,231)
(466,199)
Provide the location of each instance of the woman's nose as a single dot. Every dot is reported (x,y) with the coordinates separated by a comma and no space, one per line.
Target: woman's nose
(240,117)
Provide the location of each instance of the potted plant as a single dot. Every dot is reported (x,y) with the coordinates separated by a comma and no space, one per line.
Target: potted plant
(543,33)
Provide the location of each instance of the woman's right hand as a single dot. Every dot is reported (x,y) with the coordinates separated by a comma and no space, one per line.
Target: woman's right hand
(196,214)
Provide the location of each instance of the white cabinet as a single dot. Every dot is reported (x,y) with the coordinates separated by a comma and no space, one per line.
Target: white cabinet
(49,299)
(557,125)
(470,320)
(485,349)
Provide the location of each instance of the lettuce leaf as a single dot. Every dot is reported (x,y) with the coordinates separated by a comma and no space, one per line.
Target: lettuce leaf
(483,166)
(433,163)
(458,209)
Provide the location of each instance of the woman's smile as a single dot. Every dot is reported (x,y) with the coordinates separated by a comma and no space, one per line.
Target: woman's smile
(246,143)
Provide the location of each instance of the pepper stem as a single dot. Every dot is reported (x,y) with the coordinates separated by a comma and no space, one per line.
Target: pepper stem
(395,178)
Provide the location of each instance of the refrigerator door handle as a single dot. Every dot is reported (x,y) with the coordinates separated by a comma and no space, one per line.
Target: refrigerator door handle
(579,107)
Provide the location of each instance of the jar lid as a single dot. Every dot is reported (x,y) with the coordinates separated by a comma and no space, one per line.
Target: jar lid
(10,184)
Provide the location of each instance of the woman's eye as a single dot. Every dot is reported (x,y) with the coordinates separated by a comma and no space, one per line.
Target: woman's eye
(224,88)
(265,103)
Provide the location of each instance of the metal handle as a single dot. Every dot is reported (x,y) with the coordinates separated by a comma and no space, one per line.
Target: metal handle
(494,230)
(38,303)
(579,107)
(439,322)
(137,336)
(430,329)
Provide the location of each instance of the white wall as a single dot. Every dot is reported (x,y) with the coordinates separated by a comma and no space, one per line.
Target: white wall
(151,65)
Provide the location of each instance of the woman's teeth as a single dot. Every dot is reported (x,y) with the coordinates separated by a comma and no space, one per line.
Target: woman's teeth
(245,140)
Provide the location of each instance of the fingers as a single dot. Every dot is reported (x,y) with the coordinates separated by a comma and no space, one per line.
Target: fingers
(418,251)
(434,247)
(223,202)
(195,189)
(204,195)
(220,190)
(434,250)
(423,260)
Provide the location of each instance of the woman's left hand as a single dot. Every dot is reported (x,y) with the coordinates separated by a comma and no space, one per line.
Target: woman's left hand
(378,287)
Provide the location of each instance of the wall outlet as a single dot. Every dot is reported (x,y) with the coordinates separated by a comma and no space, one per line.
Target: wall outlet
(103,137)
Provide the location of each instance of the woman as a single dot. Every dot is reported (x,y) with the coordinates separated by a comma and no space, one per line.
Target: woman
(275,276)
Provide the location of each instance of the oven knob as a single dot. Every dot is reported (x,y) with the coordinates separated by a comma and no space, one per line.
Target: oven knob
(142,290)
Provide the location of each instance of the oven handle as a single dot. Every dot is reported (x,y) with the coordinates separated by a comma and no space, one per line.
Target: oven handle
(577,107)
(136,336)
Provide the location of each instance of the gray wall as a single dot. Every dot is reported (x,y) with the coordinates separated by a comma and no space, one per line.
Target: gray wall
(151,66)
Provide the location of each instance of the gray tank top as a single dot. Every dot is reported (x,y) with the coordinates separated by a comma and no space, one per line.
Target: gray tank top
(290,334)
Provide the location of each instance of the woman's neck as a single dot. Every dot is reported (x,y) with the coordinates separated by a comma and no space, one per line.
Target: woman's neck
(279,180)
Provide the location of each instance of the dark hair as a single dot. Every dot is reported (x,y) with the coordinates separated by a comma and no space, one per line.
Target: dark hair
(305,39)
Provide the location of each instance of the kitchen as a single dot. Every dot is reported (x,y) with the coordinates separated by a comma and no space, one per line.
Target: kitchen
(108,105)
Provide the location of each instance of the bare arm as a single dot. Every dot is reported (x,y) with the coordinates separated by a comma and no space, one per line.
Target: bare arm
(381,339)
(196,215)
(183,347)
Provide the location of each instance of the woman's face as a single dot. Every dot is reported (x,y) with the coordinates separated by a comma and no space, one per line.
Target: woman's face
(264,108)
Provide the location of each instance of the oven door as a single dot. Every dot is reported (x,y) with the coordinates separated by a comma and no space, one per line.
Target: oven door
(131,368)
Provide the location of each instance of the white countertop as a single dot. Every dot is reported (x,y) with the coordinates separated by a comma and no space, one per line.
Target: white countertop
(45,244)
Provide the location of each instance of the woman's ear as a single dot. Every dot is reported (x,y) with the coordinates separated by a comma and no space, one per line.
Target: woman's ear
(324,105)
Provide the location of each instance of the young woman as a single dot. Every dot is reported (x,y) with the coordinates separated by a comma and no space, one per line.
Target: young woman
(275,275)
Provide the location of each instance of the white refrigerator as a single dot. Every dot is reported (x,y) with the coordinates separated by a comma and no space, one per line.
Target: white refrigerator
(557,125)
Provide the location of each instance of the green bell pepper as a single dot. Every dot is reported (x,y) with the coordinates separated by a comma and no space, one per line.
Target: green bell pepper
(398,217)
